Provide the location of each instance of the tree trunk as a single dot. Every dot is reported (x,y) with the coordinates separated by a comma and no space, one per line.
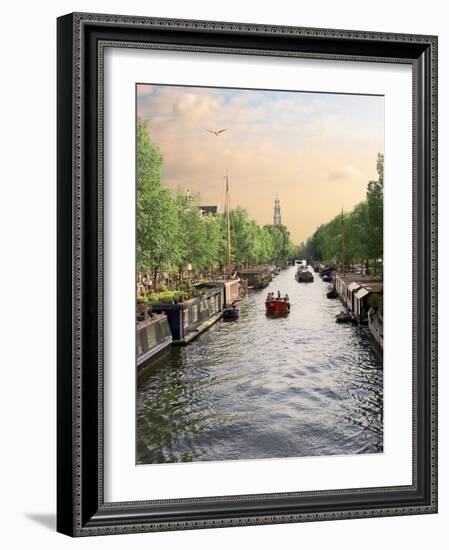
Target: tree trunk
(155,274)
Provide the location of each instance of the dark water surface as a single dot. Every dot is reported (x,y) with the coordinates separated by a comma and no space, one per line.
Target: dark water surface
(261,387)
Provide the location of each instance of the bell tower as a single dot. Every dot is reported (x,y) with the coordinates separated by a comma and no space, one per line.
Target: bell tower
(277,211)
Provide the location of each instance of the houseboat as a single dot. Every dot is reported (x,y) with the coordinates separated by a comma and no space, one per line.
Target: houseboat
(354,291)
(232,290)
(376,327)
(153,338)
(188,319)
(256,278)
(362,297)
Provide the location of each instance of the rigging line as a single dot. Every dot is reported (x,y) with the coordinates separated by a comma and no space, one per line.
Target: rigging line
(233,238)
(229,220)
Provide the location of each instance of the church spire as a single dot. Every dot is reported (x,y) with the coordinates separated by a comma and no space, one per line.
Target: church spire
(277,211)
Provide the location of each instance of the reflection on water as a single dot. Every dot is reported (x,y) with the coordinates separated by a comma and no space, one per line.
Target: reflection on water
(261,387)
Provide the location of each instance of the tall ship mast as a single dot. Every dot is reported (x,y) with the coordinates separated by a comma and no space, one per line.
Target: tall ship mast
(232,284)
(343,244)
(228,227)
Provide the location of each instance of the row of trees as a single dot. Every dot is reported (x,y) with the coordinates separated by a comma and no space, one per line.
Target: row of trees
(172,233)
(353,237)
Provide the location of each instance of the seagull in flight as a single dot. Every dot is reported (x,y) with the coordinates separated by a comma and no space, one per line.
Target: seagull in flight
(216,132)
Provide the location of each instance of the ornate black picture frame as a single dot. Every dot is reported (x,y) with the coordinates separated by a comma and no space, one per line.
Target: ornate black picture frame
(81,510)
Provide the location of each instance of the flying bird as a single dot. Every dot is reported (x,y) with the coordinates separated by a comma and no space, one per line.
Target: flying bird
(216,132)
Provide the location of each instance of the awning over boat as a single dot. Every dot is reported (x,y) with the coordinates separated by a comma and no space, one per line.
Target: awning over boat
(362,293)
(353,286)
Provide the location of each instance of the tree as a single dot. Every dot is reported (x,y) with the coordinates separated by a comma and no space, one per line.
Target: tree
(356,231)
(214,239)
(172,232)
(374,215)
(201,235)
(361,229)
(242,237)
(158,230)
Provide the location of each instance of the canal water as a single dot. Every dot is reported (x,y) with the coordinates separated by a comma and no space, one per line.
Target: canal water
(261,387)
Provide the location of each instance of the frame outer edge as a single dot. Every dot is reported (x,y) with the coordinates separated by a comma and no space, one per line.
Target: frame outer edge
(65,271)
(434,269)
(232,26)
(69,509)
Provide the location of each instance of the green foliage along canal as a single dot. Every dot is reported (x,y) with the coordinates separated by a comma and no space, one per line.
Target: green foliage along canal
(263,387)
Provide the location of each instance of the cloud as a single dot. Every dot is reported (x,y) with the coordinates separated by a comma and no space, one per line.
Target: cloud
(346,172)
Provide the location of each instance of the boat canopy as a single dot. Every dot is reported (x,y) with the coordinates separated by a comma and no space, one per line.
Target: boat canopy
(362,293)
(353,286)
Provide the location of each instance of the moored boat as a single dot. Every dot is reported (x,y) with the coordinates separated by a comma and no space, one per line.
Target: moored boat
(231,313)
(345,317)
(326,272)
(233,290)
(153,337)
(257,277)
(189,318)
(376,324)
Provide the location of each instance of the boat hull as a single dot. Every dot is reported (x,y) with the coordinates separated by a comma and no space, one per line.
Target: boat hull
(304,276)
(153,339)
(192,317)
(231,314)
(277,307)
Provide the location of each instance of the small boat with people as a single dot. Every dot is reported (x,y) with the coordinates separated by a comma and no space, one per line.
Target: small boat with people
(303,275)
(277,305)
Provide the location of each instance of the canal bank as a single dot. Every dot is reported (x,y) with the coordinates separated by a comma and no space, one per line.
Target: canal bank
(362,296)
(265,387)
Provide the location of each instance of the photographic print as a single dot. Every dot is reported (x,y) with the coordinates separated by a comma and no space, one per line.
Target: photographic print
(259,274)
(225,227)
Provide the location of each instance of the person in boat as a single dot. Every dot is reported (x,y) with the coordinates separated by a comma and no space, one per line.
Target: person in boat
(286,298)
(270,296)
(279,295)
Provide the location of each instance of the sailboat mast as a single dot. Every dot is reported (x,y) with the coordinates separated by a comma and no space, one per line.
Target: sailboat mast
(228,227)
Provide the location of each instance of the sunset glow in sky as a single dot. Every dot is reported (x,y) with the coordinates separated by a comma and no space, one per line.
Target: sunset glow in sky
(316,151)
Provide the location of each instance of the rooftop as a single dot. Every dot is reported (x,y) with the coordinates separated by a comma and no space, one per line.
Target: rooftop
(358,278)
(374,287)
(212,209)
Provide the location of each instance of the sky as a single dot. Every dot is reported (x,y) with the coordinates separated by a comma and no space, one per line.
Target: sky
(317,151)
